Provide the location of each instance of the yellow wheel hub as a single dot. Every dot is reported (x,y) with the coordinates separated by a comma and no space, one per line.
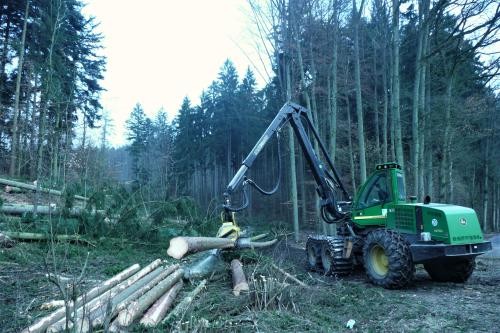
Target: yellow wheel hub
(379,260)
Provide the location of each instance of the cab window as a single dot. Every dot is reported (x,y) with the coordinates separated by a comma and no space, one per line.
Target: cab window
(376,192)
(401,187)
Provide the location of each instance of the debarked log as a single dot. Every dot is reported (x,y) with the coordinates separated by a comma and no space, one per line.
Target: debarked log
(180,246)
(42,324)
(137,308)
(158,310)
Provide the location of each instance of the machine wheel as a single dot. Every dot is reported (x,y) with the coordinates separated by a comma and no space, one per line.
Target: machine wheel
(313,255)
(332,257)
(387,259)
(451,271)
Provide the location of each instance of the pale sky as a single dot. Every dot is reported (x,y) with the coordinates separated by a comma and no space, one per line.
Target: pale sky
(159,51)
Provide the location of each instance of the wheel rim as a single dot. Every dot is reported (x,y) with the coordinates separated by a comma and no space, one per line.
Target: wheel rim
(311,256)
(379,260)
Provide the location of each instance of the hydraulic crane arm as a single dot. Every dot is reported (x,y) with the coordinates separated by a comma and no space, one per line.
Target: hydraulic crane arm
(327,179)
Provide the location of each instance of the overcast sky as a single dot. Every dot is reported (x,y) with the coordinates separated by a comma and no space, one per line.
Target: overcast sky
(159,51)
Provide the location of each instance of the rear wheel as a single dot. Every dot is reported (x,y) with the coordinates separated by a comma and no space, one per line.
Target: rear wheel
(452,270)
(387,259)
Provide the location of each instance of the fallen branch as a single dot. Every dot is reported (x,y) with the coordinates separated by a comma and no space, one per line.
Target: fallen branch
(239,281)
(34,188)
(158,310)
(42,324)
(37,236)
(291,277)
(183,306)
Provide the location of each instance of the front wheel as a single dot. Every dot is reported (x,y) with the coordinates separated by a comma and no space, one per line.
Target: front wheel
(458,270)
(387,259)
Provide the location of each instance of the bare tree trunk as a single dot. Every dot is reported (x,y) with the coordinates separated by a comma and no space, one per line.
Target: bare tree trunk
(386,106)
(486,190)
(395,83)
(375,103)
(15,134)
(158,310)
(359,102)
(446,147)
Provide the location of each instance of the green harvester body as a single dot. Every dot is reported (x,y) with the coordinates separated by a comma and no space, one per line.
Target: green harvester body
(435,231)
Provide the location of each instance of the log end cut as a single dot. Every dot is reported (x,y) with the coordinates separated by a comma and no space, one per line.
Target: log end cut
(178,247)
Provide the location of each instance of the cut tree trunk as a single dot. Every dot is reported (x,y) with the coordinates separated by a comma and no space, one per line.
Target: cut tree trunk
(34,188)
(104,298)
(137,308)
(35,236)
(13,189)
(183,306)
(239,280)
(5,241)
(19,209)
(180,246)
(119,301)
(158,310)
(42,324)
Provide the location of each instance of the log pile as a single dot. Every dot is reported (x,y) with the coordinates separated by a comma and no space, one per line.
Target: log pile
(145,295)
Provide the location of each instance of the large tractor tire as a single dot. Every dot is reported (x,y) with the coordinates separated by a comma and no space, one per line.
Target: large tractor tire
(458,270)
(387,259)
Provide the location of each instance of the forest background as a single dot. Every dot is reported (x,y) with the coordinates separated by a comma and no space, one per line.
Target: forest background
(419,87)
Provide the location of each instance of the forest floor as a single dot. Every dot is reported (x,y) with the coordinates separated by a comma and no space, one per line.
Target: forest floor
(326,306)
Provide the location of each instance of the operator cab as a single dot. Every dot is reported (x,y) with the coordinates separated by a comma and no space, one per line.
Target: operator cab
(385,186)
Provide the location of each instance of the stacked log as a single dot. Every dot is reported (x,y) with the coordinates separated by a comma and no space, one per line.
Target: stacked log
(36,188)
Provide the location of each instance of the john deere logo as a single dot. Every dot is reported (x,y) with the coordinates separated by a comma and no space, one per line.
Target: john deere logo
(463,221)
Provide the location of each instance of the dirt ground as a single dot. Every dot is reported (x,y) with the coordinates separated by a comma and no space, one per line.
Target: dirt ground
(326,306)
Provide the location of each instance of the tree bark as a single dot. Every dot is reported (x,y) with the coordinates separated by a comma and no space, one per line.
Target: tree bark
(239,280)
(158,310)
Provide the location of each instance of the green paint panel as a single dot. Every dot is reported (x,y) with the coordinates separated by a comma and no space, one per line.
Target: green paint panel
(452,224)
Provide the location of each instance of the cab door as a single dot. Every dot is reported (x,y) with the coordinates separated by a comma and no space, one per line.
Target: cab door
(373,196)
